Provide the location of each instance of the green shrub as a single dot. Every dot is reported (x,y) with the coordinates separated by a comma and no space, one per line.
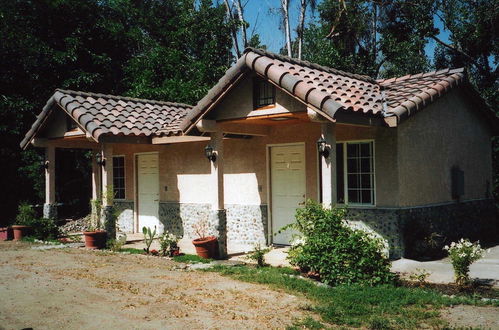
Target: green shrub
(26,214)
(258,255)
(45,229)
(341,255)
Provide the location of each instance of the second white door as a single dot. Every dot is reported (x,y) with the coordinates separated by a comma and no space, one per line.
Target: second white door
(148,191)
(287,172)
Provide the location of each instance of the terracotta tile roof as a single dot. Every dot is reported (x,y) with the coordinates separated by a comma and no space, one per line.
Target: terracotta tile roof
(329,90)
(101,114)
(407,94)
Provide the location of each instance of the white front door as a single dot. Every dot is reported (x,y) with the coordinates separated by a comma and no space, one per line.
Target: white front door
(148,191)
(287,179)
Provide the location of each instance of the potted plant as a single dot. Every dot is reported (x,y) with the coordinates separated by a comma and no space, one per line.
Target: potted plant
(24,219)
(95,238)
(206,246)
(5,233)
(168,243)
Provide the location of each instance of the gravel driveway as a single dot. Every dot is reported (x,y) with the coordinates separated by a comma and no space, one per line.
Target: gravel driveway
(76,288)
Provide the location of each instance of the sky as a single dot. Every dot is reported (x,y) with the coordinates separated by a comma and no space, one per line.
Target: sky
(263,18)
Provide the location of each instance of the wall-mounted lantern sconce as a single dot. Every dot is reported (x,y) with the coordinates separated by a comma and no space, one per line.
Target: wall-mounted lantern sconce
(100,161)
(44,163)
(210,153)
(323,148)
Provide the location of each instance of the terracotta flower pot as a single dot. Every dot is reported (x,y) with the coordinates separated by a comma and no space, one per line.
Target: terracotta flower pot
(20,231)
(174,251)
(95,239)
(6,233)
(206,247)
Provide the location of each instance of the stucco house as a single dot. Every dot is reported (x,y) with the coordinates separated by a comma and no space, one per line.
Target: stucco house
(403,153)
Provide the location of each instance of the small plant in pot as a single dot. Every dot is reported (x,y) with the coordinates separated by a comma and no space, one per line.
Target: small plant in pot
(24,219)
(95,238)
(6,233)
(206,246)
(168,243)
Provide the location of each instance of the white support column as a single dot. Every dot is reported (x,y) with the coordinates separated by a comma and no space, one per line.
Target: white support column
(96,180)
(108,219)
(218,214)
(107,175)
(328,166)
(217,171)
(50,209)
(50,175)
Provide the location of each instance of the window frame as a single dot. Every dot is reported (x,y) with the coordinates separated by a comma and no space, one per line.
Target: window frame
(345,173)
(124,178)
(256,94)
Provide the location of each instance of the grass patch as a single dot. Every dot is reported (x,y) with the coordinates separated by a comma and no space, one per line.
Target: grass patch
(191,258)
(132,251)
(380,307)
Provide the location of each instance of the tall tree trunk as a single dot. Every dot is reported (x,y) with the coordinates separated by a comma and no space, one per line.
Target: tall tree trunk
(301,26)
(233,33)
(287,32)
(240,13)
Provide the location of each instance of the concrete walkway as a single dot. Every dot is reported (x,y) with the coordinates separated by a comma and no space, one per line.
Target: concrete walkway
(486,269)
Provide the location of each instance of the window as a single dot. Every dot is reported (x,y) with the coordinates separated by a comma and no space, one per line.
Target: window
(263,93)
(355,172)
(119,177)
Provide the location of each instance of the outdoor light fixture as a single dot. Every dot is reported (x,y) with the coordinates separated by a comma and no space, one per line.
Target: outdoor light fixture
(323,148)
(44,163)
(210,153)
(100,161)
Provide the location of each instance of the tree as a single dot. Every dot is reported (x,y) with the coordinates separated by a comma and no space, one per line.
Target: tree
(301,22)
(285,25)
(168,50)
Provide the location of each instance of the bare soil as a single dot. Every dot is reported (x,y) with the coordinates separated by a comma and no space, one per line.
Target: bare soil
(463,316)
(77,288)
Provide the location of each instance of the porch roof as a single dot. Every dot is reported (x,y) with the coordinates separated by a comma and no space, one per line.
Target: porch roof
(328,90)
(103,115)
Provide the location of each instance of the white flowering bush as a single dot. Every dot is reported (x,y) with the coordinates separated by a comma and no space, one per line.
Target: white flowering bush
(462,254)
(167,241)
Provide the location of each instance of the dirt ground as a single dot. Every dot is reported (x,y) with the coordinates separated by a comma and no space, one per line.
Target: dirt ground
(76,288)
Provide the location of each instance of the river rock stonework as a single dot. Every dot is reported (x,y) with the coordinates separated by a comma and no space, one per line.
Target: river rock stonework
(247,224)
(124,211)
(383,223)
(421,232)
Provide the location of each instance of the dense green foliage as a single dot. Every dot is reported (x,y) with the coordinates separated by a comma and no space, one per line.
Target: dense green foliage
(380,307)
(176,50)
(41,228)
(340,254)
(168,50)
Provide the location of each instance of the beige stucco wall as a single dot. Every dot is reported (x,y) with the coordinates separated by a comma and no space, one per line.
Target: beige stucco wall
(238,102)
(185,172)
(446,133)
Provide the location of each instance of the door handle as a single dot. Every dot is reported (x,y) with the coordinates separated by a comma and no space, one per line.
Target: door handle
(156,200)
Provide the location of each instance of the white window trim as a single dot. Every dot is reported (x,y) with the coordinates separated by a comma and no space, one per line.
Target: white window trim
(124,177)
(345,173)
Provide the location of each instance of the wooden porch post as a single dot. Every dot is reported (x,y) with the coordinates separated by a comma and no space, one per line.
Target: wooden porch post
(49,208)
(107,218)
(328,166)
(219,217)
(107,175)
(217,171)
(96,189)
